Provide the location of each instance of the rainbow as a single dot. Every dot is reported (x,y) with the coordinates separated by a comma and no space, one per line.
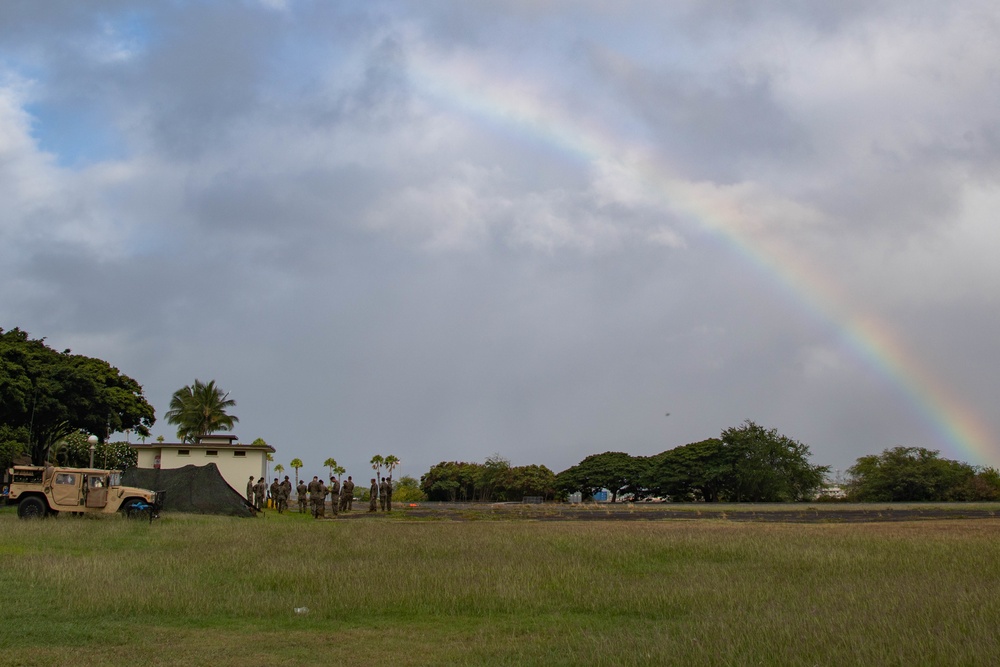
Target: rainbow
(462,83)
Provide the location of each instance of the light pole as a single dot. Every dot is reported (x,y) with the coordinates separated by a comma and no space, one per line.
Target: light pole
(93,448)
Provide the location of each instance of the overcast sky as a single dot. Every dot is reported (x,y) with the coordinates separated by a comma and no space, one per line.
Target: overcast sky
(447,230)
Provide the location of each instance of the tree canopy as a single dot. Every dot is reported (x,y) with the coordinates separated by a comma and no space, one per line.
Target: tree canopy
(916,474)
(747,463)
(47,395)
(495,480)
(200,409)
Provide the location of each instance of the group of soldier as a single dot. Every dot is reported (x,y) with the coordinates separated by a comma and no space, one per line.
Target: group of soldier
(315,492)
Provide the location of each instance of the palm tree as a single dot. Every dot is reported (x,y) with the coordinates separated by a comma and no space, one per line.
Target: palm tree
(331,463)
(278,469)
(377,463)
(296,464)
(200,409)
(390,462)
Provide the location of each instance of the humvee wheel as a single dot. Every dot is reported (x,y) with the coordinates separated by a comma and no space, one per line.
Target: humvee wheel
(134,508)
(31,507)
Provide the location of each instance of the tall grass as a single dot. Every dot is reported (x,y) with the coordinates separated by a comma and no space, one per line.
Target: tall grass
(221,591)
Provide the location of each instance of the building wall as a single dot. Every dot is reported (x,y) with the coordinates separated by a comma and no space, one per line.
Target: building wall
(236,470)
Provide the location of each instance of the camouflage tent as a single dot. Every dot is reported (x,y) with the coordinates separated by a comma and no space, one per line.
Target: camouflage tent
(195,489)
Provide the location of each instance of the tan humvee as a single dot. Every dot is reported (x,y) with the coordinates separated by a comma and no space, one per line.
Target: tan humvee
(39,491)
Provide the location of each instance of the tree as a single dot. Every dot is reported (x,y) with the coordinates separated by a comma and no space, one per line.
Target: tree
(917,474)
(13,443)
(200,409)
(696,471)
(765,466)
(296,464)
(614,471)
(407,490)
(491,478)
(52,394)
(391,462)
(377,463)
(530,480)
(331,463)
(451,481)
(278,469)
(74,451)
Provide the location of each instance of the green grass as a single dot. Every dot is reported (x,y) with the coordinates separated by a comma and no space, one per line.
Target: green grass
(221,591)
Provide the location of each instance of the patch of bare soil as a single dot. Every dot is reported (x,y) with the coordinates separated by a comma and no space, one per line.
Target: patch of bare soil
(766,513)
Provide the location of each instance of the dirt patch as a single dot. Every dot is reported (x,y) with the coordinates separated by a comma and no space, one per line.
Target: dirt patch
(741,513)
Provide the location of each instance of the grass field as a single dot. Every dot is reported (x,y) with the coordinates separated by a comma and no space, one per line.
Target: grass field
(392,591)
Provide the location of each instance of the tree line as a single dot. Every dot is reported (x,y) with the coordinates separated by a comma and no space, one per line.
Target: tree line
(51,400)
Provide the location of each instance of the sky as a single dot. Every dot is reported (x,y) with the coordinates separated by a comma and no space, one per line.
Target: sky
(536,229)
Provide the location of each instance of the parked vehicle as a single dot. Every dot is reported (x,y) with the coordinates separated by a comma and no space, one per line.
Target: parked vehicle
(40,491)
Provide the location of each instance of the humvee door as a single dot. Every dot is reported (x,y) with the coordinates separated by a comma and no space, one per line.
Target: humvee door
(97,493)
(66,488)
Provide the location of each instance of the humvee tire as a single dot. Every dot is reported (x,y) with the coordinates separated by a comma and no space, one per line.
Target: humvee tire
(32,507)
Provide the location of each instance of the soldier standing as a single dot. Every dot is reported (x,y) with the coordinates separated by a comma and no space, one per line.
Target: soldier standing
(300,492)
(260,493)
(284,492)
(274,494)
(347,497)
(334,495)
(388,495)
(313,489)
(382,493)
(373,496)
(250,487)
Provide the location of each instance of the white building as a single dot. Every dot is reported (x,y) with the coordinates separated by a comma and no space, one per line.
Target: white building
(236,462)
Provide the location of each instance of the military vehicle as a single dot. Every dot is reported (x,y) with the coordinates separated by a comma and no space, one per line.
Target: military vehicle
(40,491)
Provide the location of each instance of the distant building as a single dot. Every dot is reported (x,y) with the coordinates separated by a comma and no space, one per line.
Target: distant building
(236,462)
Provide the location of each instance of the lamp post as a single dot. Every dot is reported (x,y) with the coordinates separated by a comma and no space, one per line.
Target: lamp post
(93,448)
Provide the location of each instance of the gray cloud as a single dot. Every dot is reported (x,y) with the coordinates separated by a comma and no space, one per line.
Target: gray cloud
(446,231)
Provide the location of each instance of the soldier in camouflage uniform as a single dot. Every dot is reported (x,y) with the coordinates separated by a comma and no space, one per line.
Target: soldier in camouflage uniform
(284,492)
(373,496)
(334,495)
(347,495)
(313,489)
(250,488)
(274,494)
(260,493)
(302,493)
(388,495)
(382,493)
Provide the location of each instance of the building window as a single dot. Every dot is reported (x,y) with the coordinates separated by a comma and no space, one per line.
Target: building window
(212,452)
(183,452)
(239,453)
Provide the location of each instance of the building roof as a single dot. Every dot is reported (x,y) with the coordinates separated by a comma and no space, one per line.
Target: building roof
(209,441)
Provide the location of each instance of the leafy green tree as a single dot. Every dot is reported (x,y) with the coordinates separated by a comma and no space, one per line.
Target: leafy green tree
(491,479)
(331,463)
(451,481)
(13,443)
(696,471)
(530,480)
(200,409)
(278,469)
(296,464)
(915,474)
(407,490)
(53,394)
(614,471)
(73,450)
(765,466)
